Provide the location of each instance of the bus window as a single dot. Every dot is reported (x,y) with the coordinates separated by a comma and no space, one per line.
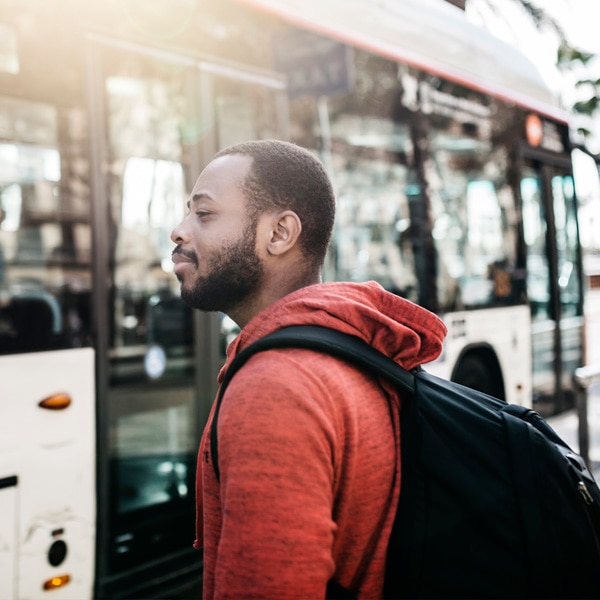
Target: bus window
(151,431)
(243,111)
(9,55)
(372,223)
(535,234)
(569,288)
(368,149)
(567,245)
(44,238)
(587,184)
(152,201)
(474,224)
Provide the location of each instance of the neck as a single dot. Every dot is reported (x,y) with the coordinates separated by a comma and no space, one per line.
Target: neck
(269,293)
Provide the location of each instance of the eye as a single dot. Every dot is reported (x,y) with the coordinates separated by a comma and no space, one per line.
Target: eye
(203,214)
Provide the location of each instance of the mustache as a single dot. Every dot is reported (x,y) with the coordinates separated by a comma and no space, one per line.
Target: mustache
(187,253)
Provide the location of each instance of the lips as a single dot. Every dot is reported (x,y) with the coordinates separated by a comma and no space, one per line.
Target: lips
(181,258)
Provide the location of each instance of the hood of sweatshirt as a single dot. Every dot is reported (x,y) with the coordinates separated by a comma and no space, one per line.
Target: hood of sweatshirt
(402,330)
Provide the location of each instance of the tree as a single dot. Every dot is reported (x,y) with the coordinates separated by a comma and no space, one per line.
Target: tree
(568,59)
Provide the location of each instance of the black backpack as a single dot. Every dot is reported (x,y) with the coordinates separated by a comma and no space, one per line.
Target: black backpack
(493,505)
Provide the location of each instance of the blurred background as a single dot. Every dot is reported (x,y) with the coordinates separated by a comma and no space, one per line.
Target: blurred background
(462,139)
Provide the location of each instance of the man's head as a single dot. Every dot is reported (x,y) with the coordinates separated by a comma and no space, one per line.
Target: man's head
(260,220)
(286,176)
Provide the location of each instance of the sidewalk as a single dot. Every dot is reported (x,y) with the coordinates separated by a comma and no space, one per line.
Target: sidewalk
(567,424)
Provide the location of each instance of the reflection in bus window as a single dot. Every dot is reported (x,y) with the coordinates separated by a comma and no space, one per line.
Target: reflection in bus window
(371,222)
(9,50)
(44,240)
(152,194)
(587,184)
(146,122)
(243,111)
(534,232)
(152,432)
(566,244)
(474,223)
(424,205)
(472,247)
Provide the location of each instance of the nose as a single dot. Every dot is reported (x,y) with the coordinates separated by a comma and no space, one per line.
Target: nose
(178,234)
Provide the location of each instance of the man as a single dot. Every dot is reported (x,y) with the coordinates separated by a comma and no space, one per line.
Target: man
(309,474)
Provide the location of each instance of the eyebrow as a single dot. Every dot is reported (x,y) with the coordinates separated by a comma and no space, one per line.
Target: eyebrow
(199,196)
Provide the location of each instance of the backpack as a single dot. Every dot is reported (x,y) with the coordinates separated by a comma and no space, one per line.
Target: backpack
(493,504)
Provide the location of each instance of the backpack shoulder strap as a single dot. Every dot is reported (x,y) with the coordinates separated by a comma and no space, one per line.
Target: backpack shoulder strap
(323,339)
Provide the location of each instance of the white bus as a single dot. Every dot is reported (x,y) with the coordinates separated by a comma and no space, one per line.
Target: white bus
(453,174)
(453,171)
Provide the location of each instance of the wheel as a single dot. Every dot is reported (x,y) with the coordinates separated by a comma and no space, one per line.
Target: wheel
(475,373)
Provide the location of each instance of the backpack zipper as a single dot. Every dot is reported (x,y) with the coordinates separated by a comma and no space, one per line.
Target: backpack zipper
(585,494)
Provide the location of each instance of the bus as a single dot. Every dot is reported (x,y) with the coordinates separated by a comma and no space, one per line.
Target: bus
(452,168)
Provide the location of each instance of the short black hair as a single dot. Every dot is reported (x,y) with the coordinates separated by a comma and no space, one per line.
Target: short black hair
(287,176)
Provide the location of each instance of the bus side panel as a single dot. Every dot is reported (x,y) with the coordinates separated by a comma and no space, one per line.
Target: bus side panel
(8,536)
(507,331)
(51,453)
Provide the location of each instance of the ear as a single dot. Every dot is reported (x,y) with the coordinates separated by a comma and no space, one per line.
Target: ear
(285,229)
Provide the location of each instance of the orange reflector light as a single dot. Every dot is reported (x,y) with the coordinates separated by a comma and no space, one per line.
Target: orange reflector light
(534,129)
(55,402)
(56,582)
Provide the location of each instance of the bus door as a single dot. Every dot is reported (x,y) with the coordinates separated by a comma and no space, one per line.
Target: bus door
(554,284)
(156,118)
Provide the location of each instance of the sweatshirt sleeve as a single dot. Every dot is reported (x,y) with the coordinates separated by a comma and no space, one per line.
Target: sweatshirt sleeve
(277,455)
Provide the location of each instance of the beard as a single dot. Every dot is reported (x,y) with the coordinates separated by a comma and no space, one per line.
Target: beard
(234,276)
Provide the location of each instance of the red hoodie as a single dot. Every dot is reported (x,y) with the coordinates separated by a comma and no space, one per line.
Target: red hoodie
(310,477)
